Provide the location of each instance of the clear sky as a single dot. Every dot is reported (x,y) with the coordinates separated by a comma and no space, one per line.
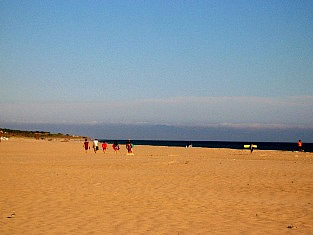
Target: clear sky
(202,63)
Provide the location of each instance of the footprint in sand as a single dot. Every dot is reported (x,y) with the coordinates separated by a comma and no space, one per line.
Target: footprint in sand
(291,226)
(172,162)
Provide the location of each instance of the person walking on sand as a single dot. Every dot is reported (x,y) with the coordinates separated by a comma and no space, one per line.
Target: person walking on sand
(251,148)
(104,146)
(95,145)
(86,145)
(115,147)
(129,147)
(300,145)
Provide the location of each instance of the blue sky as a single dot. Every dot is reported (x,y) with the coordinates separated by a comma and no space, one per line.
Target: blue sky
(202,63)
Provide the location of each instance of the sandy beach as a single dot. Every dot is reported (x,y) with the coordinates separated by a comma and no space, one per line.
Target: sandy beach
(54,187)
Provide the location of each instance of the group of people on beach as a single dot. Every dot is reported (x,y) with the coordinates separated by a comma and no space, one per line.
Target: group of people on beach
(104,145)
(129,146)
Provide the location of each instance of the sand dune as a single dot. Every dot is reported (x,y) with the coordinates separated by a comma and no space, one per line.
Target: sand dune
(53,187)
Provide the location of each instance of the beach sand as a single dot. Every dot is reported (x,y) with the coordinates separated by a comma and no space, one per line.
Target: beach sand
(53,187)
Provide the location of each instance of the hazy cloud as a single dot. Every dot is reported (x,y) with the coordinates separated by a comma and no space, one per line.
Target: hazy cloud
(253,112)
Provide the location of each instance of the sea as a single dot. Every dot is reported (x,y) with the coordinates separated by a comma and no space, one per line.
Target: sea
(283,146)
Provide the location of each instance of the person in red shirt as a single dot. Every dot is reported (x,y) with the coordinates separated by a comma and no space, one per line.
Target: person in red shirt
(129,147)
(300,145)
(115,147)
(104,146)
(86,145)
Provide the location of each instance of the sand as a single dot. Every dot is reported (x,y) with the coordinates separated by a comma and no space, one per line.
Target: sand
(53,187)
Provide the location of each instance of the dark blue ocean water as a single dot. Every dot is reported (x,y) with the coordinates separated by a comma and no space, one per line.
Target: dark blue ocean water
(307,147)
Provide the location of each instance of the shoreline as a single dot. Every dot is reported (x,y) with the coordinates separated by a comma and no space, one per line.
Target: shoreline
(238,145)
(137,143)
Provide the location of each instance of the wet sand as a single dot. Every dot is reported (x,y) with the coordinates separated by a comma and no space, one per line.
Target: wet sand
(53,187)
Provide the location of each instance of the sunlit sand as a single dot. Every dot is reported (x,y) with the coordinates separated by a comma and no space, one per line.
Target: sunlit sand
(54,187)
